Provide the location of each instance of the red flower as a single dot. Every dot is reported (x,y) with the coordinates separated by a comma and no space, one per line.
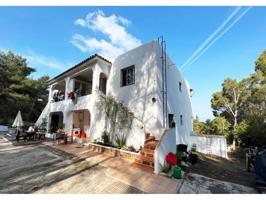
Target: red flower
(171,159)
(71,95)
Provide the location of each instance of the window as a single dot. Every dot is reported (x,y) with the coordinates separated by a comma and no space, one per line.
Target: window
(180,87)
(128,76)
(181,120)
(102,83)
(171,121)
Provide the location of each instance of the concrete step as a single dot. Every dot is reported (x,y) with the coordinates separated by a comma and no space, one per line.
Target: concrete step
(147,153)
(146,158)
(150,138)
(144,162)
(151,145)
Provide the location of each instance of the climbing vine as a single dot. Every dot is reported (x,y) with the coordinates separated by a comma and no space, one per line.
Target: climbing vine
(117,115)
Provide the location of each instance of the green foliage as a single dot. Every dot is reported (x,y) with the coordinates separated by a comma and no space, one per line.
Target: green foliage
(166,167)
(218,126)
(124,147)
(180,155)
(105,138)
(243,104)
(116,114)
(198,126)
(120,141)
(18,91)
(242,134)
(260,64)
(230,101)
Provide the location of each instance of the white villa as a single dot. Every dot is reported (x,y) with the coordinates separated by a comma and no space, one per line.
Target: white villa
(144,79)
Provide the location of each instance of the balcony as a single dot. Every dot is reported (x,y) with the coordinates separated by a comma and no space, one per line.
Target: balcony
(58,92)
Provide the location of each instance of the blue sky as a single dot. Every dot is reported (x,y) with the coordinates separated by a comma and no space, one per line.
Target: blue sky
(55,38)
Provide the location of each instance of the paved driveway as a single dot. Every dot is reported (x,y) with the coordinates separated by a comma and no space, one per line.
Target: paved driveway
(42,169)
(198,184)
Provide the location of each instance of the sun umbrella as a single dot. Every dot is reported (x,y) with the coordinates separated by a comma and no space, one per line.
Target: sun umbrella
(18,120)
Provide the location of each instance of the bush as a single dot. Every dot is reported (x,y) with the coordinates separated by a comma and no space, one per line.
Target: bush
(166,167)
(124,148)
(120,141)
(105,138)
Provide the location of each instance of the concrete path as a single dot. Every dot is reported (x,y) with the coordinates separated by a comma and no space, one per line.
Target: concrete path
(198,184)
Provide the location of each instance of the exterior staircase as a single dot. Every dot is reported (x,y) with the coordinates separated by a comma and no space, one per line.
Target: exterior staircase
(145,160)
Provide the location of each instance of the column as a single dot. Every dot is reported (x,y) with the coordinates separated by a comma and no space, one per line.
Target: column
(95,79)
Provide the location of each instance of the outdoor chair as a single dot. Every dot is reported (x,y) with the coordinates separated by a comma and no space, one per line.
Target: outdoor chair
(20,134)
(30,135)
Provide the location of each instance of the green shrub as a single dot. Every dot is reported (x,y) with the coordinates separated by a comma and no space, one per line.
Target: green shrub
(120,141)
(105,138)
(166,167)
(124,148)
(179,155)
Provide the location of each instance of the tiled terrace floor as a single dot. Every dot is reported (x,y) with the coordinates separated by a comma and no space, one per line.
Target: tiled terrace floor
(122,170)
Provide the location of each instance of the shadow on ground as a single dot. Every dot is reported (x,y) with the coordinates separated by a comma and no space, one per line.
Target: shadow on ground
(42,169)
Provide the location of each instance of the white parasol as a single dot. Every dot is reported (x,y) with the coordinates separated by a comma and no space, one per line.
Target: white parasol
(18,120)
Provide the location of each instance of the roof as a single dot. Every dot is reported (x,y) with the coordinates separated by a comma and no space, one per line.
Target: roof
(79,64)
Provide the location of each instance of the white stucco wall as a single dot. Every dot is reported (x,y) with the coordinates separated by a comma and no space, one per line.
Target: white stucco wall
(218,145)
(137,97)
(166,145)
(178,103)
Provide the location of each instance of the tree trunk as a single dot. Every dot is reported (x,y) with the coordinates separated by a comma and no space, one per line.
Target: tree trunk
(234,139)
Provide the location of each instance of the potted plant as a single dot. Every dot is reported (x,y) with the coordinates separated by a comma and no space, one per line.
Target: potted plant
(169,164)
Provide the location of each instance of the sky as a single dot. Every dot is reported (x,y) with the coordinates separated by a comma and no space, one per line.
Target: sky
(207,44)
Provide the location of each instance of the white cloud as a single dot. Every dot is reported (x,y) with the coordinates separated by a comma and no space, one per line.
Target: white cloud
(36,60)
(113,27)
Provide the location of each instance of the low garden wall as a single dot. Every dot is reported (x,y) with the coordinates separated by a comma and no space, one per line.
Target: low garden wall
(209,144)
(111,151)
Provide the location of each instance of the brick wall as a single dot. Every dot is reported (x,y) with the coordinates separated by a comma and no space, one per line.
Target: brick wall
(130,156)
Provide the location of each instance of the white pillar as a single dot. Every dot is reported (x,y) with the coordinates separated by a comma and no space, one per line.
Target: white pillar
(50,92)
(67,80)
(48,125)
(95,78)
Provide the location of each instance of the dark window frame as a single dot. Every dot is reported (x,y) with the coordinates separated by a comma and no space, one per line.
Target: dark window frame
(171,121)
(181,120)
(126,72)
(180,86)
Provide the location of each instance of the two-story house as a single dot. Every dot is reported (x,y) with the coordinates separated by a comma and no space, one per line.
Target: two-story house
(144,79)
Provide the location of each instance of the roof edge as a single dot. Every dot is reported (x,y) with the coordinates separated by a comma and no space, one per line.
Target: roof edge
(77,65)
